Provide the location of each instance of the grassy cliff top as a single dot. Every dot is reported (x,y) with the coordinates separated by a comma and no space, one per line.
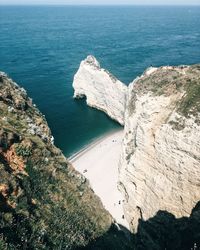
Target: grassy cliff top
(169,80)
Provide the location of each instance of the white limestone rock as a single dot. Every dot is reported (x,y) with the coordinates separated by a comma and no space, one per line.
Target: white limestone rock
(160,161)
(159,167)
(101,89)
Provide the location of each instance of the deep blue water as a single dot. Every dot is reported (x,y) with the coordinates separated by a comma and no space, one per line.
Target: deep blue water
(41,48)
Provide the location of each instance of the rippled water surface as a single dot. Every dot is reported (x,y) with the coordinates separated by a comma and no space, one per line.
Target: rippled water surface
(41,48)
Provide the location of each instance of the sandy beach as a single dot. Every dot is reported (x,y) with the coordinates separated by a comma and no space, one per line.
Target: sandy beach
(99,164)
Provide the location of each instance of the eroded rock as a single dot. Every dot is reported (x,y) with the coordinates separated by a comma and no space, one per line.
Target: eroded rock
(101,89)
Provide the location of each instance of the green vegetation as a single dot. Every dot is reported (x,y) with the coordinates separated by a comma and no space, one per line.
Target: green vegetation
(23,151)
(51,207)
(3,245)
(44,202)
(172,80)
(190,103)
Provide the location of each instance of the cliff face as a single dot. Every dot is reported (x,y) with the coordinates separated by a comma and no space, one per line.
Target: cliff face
(101,89)
(159,167)
(160,160)
(44,202)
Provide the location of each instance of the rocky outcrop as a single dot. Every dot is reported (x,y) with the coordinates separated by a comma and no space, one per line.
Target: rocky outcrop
(160,160)
(101,89)
(44,202)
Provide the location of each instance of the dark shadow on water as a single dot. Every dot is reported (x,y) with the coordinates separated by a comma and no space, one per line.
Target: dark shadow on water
(161,232)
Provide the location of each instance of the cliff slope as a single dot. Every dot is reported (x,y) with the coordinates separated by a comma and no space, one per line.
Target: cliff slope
(44,202)
(101,89)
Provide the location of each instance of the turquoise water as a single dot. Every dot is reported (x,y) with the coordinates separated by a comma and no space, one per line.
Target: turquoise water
(41,48)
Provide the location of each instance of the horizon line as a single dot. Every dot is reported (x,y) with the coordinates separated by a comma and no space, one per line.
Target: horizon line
(103,5)
(76,5)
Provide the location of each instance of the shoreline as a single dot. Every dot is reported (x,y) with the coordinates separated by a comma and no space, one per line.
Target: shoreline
(98,162)
(91,144)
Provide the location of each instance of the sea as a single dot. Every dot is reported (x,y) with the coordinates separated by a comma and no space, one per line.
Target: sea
(41,48)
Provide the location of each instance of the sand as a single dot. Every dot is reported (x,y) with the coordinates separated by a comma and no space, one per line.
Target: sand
(99,164)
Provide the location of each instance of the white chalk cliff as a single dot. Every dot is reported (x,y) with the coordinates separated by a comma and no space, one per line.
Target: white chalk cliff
(159,167)
(160,160)
(101,89)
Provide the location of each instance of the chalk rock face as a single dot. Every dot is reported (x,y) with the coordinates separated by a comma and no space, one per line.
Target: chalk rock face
(101,89)
(160,160)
